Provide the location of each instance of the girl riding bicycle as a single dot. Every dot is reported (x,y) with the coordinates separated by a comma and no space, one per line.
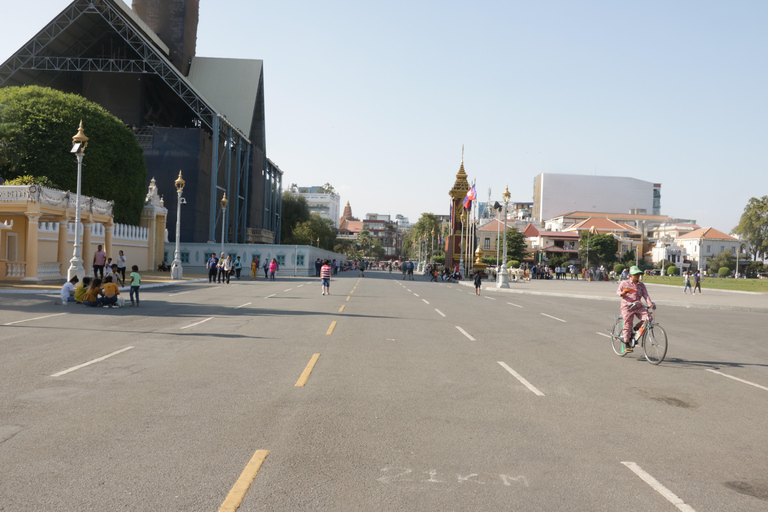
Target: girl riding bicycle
(631,292)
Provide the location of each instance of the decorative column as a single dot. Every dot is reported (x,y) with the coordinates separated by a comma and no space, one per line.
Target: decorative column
(31,252)
(87,247)
(61,252)
(109,228)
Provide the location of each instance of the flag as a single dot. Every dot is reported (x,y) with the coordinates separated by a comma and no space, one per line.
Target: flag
(471,196)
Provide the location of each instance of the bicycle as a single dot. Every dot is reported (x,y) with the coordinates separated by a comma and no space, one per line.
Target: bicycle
(648,333)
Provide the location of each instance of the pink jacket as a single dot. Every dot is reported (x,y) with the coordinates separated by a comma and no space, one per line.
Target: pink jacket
(273,267)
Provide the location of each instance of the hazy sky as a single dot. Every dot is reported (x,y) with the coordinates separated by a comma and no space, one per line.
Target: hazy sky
(377,98)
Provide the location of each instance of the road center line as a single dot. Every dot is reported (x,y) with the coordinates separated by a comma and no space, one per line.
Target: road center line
(289,289)
(348,298)
(307,371)
(656,485)
(331,328)
(236,495)
(425,302)
(246,304)
(416,294)
(59,374)
(465,333)
(300,286)
(520,378)
(440,312)
(342,308)
(738,379)
(196,323)
(517,306)
(269,296)
(603,334)
(36,318)
(179,293)
(553,317)
(489,298)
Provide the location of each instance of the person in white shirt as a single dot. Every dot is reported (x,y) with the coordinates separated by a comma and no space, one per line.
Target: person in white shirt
(68,291)
(121,265)
(227,266)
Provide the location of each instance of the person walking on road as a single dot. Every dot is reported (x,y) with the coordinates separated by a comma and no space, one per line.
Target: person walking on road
(688,283)
(697,282)
(273,267)
(325,277)
(362,268)
(99,259)
(254,268)
(404,268)
(238,267)
(227,267)
(212,266)
(266,268)
(410,270)
(478,281)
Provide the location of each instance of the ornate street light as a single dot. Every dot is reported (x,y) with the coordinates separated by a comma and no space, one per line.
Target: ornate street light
(176,269)
(502,277)
(79,143)
(224,204)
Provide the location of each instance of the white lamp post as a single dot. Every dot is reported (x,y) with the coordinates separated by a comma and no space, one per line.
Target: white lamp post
(463,218)
(502,277)
(224,204)
(432,258)
(176,269)
(79,143)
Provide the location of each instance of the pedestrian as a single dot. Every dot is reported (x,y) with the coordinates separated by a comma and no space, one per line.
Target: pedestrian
(266,268)
(238,267)
(325,277)
(220,276)
(212,266)
(68,291)
(404,268)
(111,292)
(254,268)
(121,266)
(135,284)
(227,267)
(687,283)
(411,266)
(362,269)
(334,267)
(478,280)
(99,259)
(116,275)
(318,265)
(696,282)
(273,268)
(94,295)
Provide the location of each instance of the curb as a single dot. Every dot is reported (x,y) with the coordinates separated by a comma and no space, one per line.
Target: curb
(616,299)
(123,289)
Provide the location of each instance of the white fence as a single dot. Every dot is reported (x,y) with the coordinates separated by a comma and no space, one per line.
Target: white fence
(121,231)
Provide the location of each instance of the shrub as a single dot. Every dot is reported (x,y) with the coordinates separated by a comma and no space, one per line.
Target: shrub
(513,264)
(672,270)
(619,268)
(724,272)
(439,259)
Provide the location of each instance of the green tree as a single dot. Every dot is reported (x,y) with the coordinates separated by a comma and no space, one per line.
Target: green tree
(515,244)
(723,260)
(364,242)
(295,211)
(36,129)
(753,225)
(423,227)
(327,189)
(602,249)
(309,231)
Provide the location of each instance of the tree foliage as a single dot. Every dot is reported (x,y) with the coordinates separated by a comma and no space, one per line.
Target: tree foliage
(753,225)
(602,249)
(294,211)
(314,229)
(423,228)
(36,129)
(723,260)
(327,189)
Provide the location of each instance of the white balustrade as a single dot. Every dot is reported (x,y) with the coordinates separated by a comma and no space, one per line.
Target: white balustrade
(48,270)
(16,269)
(126,232)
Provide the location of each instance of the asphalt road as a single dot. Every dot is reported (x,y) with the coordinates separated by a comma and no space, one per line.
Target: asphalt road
(423,398)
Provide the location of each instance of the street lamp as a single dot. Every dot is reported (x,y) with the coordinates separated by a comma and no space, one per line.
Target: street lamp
(224,204)
(79,143)
(176,270)
(463,218)
(502,277)
(433,246)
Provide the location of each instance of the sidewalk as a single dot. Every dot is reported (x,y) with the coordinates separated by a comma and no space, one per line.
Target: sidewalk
(661,294)
(153,279)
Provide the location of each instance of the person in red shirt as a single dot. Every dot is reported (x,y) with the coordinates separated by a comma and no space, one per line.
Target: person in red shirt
(325,277)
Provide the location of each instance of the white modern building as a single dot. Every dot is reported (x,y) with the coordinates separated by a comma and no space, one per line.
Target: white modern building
(327,206)
(555,194)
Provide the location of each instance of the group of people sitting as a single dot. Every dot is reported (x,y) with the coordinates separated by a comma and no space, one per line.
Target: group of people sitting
(95,292)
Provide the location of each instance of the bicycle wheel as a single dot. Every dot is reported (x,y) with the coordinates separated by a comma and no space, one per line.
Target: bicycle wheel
(655,344)
(617,342)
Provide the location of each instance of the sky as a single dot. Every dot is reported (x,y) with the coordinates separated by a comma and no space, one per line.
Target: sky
(378,98)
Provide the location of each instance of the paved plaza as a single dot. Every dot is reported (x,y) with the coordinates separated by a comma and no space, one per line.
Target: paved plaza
(385,395)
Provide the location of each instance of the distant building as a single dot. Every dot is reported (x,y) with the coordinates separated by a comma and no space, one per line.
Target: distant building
(703,244)
(515,210)
(402,222)
(381,228)
(554,194)
(326,205)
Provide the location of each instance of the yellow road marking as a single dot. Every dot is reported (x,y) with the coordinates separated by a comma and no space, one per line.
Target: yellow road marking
(305,374)
(331,328)
(236,495)
(341,309)
(347,298)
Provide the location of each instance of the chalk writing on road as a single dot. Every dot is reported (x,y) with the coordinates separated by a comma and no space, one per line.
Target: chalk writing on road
(396,475)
